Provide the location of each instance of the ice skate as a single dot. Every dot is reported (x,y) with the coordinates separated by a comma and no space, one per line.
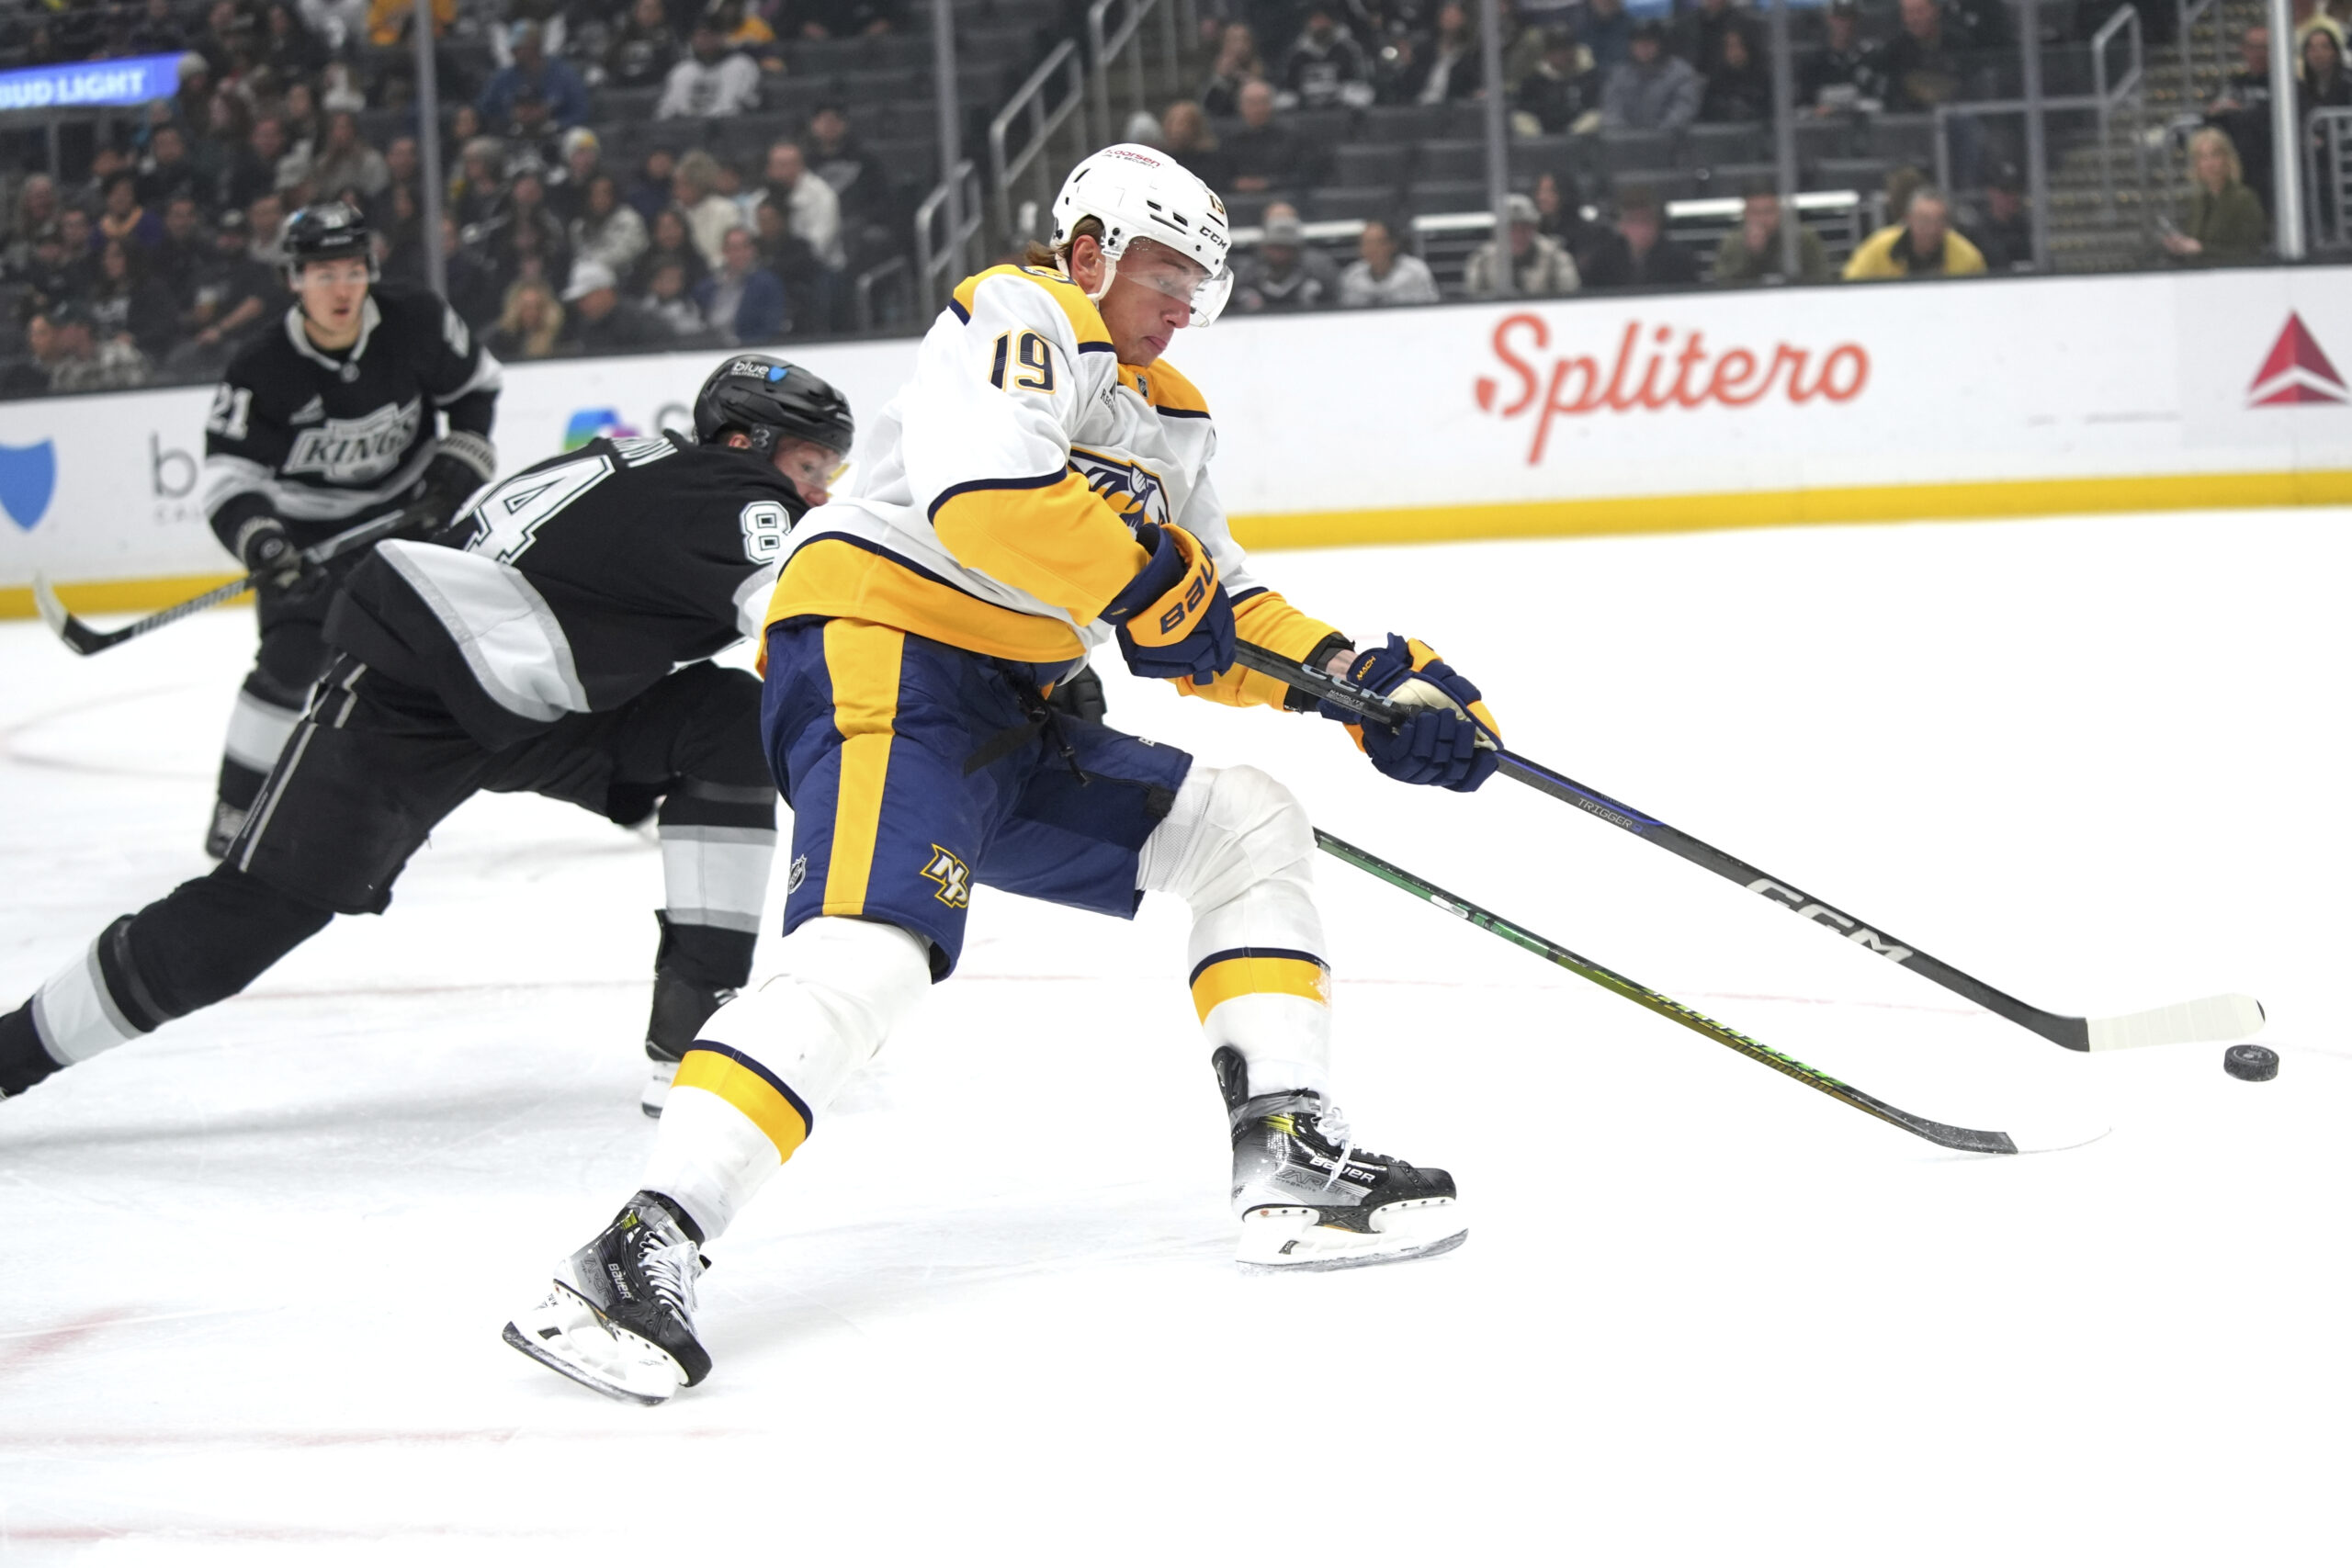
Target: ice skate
(620,1316)
(227,821)
(680,1008)
(1310,1199)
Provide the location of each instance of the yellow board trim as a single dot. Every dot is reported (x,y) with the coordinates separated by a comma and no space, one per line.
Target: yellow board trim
(747,1092)
(1991,500)
(864,662)
(1785,508)
(1223,981)
(135,596)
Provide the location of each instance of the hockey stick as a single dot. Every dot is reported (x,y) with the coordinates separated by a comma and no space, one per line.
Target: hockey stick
(2230,1017)
(86,640)
(1950,1137)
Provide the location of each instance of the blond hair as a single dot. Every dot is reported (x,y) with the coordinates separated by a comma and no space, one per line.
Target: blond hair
(1039,254)
(2214,136)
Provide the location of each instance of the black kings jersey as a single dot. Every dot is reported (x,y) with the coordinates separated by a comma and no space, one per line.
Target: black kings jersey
(319,439)
(574,585)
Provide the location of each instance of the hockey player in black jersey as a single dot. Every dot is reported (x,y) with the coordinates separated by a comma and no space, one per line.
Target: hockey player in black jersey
(322,424)
(554,638)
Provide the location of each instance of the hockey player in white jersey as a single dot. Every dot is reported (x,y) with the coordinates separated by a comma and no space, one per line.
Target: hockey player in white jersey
(1039,491)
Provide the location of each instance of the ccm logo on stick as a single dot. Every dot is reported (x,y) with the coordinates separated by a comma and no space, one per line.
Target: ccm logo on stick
(1825,914)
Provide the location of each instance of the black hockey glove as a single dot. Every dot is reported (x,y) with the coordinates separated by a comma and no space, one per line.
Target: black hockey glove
(1450,739)
(264,545)
(463,462)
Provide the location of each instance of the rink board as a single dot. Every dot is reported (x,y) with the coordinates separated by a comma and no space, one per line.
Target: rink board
(1971,399)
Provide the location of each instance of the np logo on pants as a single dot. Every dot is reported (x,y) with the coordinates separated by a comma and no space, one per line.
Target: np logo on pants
(955,878)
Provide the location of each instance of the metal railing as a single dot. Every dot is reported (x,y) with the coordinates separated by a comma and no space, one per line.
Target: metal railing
(1028,109)
(1110,49)
(942,263)
(2114,96)
(869,282)
(2191,15)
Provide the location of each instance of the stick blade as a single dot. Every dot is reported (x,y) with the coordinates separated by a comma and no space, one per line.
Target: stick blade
(71,632)
(2231,1017)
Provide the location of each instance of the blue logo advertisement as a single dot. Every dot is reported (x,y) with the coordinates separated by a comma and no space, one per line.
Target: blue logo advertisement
(586,424)
(28,479)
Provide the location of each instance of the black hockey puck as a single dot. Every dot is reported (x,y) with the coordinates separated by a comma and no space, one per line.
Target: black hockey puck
(2256,1064)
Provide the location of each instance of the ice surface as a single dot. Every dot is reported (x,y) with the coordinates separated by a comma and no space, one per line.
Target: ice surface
(252,1269)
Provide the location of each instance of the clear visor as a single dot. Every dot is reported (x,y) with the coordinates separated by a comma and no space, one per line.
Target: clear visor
(1163,271)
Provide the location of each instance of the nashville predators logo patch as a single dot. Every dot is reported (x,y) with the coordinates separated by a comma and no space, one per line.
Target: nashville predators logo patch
(955,878)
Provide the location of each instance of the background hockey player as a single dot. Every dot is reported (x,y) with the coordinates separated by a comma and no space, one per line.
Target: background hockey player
(555,639)
(323,424)
(1039,489)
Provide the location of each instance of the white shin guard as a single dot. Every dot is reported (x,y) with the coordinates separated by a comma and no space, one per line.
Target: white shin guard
(842,985)
(1237,847)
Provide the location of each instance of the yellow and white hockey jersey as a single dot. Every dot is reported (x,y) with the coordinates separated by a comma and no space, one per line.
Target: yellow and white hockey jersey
(994,511)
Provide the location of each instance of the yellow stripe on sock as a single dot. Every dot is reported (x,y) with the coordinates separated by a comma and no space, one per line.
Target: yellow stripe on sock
(864,661)
(748,1092)
(1232,978)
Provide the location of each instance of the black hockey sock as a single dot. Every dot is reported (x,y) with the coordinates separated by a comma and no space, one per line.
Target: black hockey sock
(710,956)
(24,1060)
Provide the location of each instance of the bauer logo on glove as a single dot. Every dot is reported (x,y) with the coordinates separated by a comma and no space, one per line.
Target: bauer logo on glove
(1174,619)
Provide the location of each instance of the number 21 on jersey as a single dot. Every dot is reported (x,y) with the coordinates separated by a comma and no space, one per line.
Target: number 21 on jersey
(1031,354)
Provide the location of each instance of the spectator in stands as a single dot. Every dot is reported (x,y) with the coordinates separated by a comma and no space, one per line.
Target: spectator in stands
(266,221)
(80,240)
(711,82)
(1650,89)
(63,345)
(1557,214)
(557,83)
(2322,83)
(1751,253)
(1607,33)
(233,292)
(1918,66)
(1186,136)
(1285,274)
(158,32)
(1553,95)
(667,298)
(1638,255)
(1325,67)
(533,128)
(2004,233)
(472,288)
(124,303)
(524,228)
(841,160)
(1838,77)
(387,20)
(1901,181)
(122,217)
(643,47)
(841,18)
(1264,154)
(1924,244)
(694,192)
(601,321)
(2242,112)
(529,326)
(812,213)
(46,271)
(1539,267)
(181,255)
(1383,274)
(608,230)
(1445,67)
(2225,222)
(1237,66)
(260,167)
(742,298)
(347,167)
(579,156)
(36,209)
(167,168)
(671,239)
(403,160)
(1698,33)
(657,184)
(1739,90)
(480,184)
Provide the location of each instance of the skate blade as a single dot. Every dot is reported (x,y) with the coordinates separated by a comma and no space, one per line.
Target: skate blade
(1294,1241)
(563,1333)
(657,1089)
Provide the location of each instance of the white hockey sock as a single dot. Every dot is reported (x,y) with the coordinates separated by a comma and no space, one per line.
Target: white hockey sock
(257,732)
(767,1064)
(1237,847)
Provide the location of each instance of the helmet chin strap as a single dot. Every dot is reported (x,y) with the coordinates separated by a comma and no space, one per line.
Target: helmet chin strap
(1110,274)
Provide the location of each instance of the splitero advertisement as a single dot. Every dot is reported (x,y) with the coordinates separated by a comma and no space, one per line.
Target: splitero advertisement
(1985,399)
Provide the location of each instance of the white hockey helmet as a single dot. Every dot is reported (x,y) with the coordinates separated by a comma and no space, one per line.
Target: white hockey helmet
(1140,193)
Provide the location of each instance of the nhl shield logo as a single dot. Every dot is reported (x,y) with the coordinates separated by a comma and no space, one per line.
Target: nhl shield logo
(799,875)
(28,480)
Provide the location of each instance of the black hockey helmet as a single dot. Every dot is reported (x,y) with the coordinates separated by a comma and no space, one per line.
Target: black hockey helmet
(326,230)
(766,397)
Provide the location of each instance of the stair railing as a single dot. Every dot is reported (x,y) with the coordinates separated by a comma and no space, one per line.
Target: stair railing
(943,261)
(1112,48)
(1032,111)
(2327,141)
(2191,15)
(2124,92)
